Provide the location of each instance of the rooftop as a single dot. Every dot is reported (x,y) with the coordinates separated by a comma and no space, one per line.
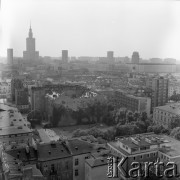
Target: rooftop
(169,145)
(12,121)
(77,146)
(53,150)
(171,108)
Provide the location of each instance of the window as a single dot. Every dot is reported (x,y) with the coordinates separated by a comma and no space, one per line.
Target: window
(76,172)
(134,157)
(147,155)
(141,156)
(76,162)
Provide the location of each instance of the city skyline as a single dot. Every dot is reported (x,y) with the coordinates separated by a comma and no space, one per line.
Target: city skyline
(86,28)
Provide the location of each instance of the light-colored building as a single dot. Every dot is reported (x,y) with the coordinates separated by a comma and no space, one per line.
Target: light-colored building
(80,151)
(162,115)
(30,54)
(145,147)
(133,103)
(14,128)
(173,88)
(5,89)
(153,68)
(97,165)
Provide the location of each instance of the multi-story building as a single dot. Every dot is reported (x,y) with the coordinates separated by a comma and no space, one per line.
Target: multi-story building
(30,54)
(13,127)
(97,165)
(173,88)
(55,161)
(22,99)
(65,56)
(162,115)
(10,56)
(145,148)
(80,151)
(5,89)
(16,83)
(159,86)
(135,58)
(38,94)
(110,57)
(133,103)
(153,68)
(19,162)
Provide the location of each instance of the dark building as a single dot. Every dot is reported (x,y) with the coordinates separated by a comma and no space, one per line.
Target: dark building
(159,86)
(21,99)
(55,161)
(16,83)
(10,56)
(65,56)
(110,56)
(135,58)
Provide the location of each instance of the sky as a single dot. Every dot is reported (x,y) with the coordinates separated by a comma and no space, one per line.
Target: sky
(92,27)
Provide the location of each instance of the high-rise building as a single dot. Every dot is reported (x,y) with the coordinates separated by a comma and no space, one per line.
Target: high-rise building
(135,58)
(10,56)
(110,56)
(30,54)
(159,86)
(65,56)
(21,99)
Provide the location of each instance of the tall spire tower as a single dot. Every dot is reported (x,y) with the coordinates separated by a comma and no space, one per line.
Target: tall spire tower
(30,32)
(30,54)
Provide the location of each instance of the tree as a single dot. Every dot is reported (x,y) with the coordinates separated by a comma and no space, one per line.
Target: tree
(142,126)
(156,129)
(175,133)
(143,116)
(175,97)
(175,122)
(129,117)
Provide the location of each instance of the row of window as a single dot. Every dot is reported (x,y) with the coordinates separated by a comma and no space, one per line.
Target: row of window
(145,156)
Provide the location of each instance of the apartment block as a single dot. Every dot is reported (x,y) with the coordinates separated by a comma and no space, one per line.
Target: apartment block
(147,147)
(159,86)
(163,115)
(133,103)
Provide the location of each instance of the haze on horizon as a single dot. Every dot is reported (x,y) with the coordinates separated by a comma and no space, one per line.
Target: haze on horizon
(91,28)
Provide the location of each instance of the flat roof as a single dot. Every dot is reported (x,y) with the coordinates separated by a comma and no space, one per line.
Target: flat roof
(170,146)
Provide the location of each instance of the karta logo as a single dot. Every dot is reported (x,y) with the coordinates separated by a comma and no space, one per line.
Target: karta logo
(141,169)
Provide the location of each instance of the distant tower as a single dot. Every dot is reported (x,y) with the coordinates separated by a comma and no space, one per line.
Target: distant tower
(110,56)
(10,56)
(135,58)
(65,56)
(30,54)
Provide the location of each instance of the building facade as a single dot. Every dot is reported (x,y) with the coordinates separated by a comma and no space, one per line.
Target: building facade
(65,56)
(10,56)
(163,115)
(22,99)
(159,86)
(135,58)
(30,54)
(133,103)
(147,147)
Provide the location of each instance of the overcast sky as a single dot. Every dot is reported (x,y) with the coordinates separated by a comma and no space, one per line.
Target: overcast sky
(92,27)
